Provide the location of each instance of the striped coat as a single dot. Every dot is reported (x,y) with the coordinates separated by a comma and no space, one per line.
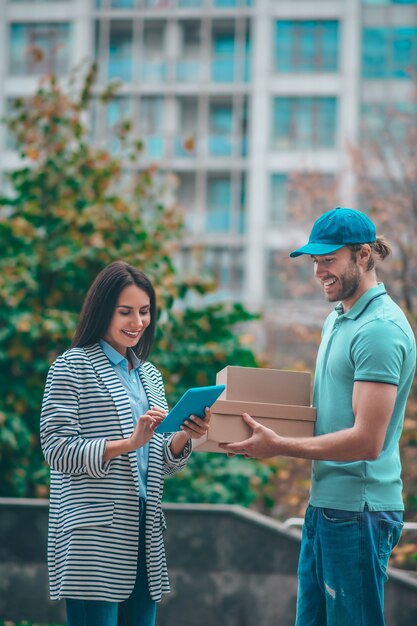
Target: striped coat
(94,506)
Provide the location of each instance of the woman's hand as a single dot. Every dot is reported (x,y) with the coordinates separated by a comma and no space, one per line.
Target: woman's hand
(193,428)
(143,431)
(196,427)
(145,428)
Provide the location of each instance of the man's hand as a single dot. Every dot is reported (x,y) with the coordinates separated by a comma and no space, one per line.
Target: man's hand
(372,405)
(262,444)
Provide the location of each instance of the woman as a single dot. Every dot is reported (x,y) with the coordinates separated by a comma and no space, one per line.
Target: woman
(102,403)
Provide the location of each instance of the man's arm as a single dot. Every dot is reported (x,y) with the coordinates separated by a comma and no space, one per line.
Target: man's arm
(372,404)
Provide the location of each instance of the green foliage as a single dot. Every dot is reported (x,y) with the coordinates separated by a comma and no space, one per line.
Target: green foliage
(66,219)
(211,478)
(203,341)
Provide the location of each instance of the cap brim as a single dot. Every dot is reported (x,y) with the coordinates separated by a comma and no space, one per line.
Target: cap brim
(316,249)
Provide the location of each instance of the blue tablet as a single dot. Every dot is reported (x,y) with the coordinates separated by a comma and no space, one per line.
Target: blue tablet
(193,402)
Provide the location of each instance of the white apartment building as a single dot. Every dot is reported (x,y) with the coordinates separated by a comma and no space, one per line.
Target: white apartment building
(231,95)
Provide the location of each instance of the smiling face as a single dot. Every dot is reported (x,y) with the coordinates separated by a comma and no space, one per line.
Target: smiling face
(340,275)
(131,317)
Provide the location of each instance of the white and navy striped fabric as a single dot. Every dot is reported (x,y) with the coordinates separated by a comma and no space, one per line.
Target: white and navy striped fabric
(94,506)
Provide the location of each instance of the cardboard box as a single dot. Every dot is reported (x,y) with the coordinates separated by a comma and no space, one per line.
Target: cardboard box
(278,399)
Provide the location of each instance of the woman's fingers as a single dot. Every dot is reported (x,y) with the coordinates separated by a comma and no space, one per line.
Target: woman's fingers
(195,426)
(156,412)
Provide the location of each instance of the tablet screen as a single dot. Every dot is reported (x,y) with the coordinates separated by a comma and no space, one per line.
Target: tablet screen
(193,402)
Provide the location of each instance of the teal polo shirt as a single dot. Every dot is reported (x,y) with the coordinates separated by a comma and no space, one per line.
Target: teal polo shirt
(372,342)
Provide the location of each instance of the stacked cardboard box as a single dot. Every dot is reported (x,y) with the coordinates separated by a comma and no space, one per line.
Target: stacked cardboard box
(278,399)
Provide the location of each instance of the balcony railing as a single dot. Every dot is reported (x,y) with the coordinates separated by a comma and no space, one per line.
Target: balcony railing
(153,71)
(188,71)
(121,69)
(158,146)
(26,67)
(218,220)
(185,146)
(172,4)
(220,145)
(181,71)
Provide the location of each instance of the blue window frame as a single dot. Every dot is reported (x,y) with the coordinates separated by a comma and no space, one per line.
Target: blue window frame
(306,46)
(305,122)
(389,52)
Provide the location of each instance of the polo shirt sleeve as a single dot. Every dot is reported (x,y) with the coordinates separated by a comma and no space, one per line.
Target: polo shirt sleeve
(378,351)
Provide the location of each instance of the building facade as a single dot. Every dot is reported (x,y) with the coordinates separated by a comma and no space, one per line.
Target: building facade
(233,96)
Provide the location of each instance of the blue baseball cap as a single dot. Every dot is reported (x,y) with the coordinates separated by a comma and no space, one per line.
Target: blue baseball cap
(337,228)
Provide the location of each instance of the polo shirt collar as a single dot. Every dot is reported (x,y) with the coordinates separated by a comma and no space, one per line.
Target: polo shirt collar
(118,359)
(363,302)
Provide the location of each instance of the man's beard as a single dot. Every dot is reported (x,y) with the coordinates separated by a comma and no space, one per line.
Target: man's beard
(348,284)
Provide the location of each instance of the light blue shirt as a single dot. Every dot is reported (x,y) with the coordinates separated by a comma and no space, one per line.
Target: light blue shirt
(138,401)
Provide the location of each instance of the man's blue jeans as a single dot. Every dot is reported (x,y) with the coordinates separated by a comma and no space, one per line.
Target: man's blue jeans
(138,610)
(342,567)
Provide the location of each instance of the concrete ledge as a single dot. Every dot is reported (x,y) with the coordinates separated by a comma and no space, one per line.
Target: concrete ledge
(228,566)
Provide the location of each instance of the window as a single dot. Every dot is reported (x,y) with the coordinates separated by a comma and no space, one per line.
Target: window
(153,65)
(389,52)
(191,38)
(151,112)
(388,123)
(188,67)
(186,197)
(190,4)
(115,4)
(221,126)
(296,194)
(223,65)
(241,226)
(151,127)
(231,3)
(120,50)
(219,204)
(289,281)
(39,48)
(122,4)
(42,1)
(278,199)
(117,111)
(10,138)
(185,141)
(379,2)
(305,122)
(227,267)
(306,46)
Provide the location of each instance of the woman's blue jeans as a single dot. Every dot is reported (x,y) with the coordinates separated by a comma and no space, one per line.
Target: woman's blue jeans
(342,568)
(138,610)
